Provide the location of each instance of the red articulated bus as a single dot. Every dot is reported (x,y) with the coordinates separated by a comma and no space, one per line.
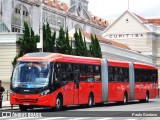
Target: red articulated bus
(57,80)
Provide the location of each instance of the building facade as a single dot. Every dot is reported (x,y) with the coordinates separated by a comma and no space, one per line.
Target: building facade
(138,33)
(61,13)
(66,13)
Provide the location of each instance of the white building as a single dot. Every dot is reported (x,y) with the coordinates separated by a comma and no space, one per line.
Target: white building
(65,13)
(138,33)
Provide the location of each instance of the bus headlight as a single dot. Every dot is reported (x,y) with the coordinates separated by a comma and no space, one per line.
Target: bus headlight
(44,92)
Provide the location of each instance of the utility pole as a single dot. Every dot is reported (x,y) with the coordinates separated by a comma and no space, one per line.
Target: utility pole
(40,44)
(41,26)
(128,4)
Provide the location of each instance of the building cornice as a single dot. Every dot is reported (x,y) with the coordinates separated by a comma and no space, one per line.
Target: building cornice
(30,2)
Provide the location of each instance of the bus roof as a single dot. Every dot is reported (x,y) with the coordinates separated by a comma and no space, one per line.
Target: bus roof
(143,66)
(118,63)
(57,57)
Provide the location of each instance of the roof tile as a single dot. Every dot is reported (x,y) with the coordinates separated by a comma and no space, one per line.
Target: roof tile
(107,41)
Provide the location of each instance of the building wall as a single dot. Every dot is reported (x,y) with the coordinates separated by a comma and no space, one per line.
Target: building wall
(139,36)
(14,21)
(8,51)
(7,13)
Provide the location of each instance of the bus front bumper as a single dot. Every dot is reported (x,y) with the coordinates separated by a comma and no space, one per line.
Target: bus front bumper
(31,100)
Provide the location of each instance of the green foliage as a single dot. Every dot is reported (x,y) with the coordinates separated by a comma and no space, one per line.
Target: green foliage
(85,48)
(48,39)
(95,49)
(63,44)
(80,44)
(68,45)
(15,59)
(98,48)
(26,44)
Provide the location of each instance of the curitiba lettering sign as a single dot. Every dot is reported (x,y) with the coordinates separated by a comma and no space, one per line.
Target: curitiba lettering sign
(126,35)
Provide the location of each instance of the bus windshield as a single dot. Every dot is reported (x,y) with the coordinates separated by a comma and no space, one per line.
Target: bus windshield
(31,75)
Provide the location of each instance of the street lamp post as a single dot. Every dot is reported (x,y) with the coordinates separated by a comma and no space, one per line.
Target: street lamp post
(41,26)
(40,44)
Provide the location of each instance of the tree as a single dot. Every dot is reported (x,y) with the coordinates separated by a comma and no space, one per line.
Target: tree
(80,44)
(92,47)
(27,43)
(85,48)
(60,44)
(63,43)
(98,50)
(76,37)
(68,45)
(95,49)
(48,39)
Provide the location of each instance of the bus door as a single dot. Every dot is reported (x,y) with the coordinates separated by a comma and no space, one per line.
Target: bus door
(65,75)
(76,89)
(154,83)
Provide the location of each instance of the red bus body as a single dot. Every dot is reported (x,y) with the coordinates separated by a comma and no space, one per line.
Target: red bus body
(76,93)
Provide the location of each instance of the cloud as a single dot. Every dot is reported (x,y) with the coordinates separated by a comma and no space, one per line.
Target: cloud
(114,8)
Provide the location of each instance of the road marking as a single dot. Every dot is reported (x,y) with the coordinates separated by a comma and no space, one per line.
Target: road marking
(131,119)
(105,119)
(51,118)
(15,118)
(78,118)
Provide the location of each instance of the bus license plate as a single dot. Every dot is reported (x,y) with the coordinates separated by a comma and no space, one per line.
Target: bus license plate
(26,104)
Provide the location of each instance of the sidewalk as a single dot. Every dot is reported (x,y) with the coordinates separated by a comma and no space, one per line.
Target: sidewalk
(6,106)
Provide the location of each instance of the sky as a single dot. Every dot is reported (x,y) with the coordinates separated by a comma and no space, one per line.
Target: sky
(112,9)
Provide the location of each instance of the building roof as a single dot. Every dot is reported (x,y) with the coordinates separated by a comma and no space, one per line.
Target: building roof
(141,18)
(154,21)
(63,7)
(99,21)
(58,5)
(107,41)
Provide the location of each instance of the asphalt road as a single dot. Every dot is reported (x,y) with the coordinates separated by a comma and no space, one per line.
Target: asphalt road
(110,111)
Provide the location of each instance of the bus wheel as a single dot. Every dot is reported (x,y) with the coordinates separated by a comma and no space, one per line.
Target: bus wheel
(90,100)
(59,103)
(22,108)
(125,98)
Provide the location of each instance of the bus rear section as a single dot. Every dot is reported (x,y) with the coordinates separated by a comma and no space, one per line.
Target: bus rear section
(146,82)
(126,81)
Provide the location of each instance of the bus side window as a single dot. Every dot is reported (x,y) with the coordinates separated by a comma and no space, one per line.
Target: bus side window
(154,76)
(83,73)
(97,77)
(57,75)
(69,72)
(110,74)
(137,75)
(90,74)
(76,79)
(116,74)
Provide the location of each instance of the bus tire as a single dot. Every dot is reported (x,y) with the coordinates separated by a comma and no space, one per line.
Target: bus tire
(125,98)
(146,98)
(90,100)
(59,103)
(22,108)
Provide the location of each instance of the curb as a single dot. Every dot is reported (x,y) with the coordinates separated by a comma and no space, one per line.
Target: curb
(9,108)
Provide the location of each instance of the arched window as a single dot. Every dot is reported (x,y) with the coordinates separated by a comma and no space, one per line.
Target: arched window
(19,16)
